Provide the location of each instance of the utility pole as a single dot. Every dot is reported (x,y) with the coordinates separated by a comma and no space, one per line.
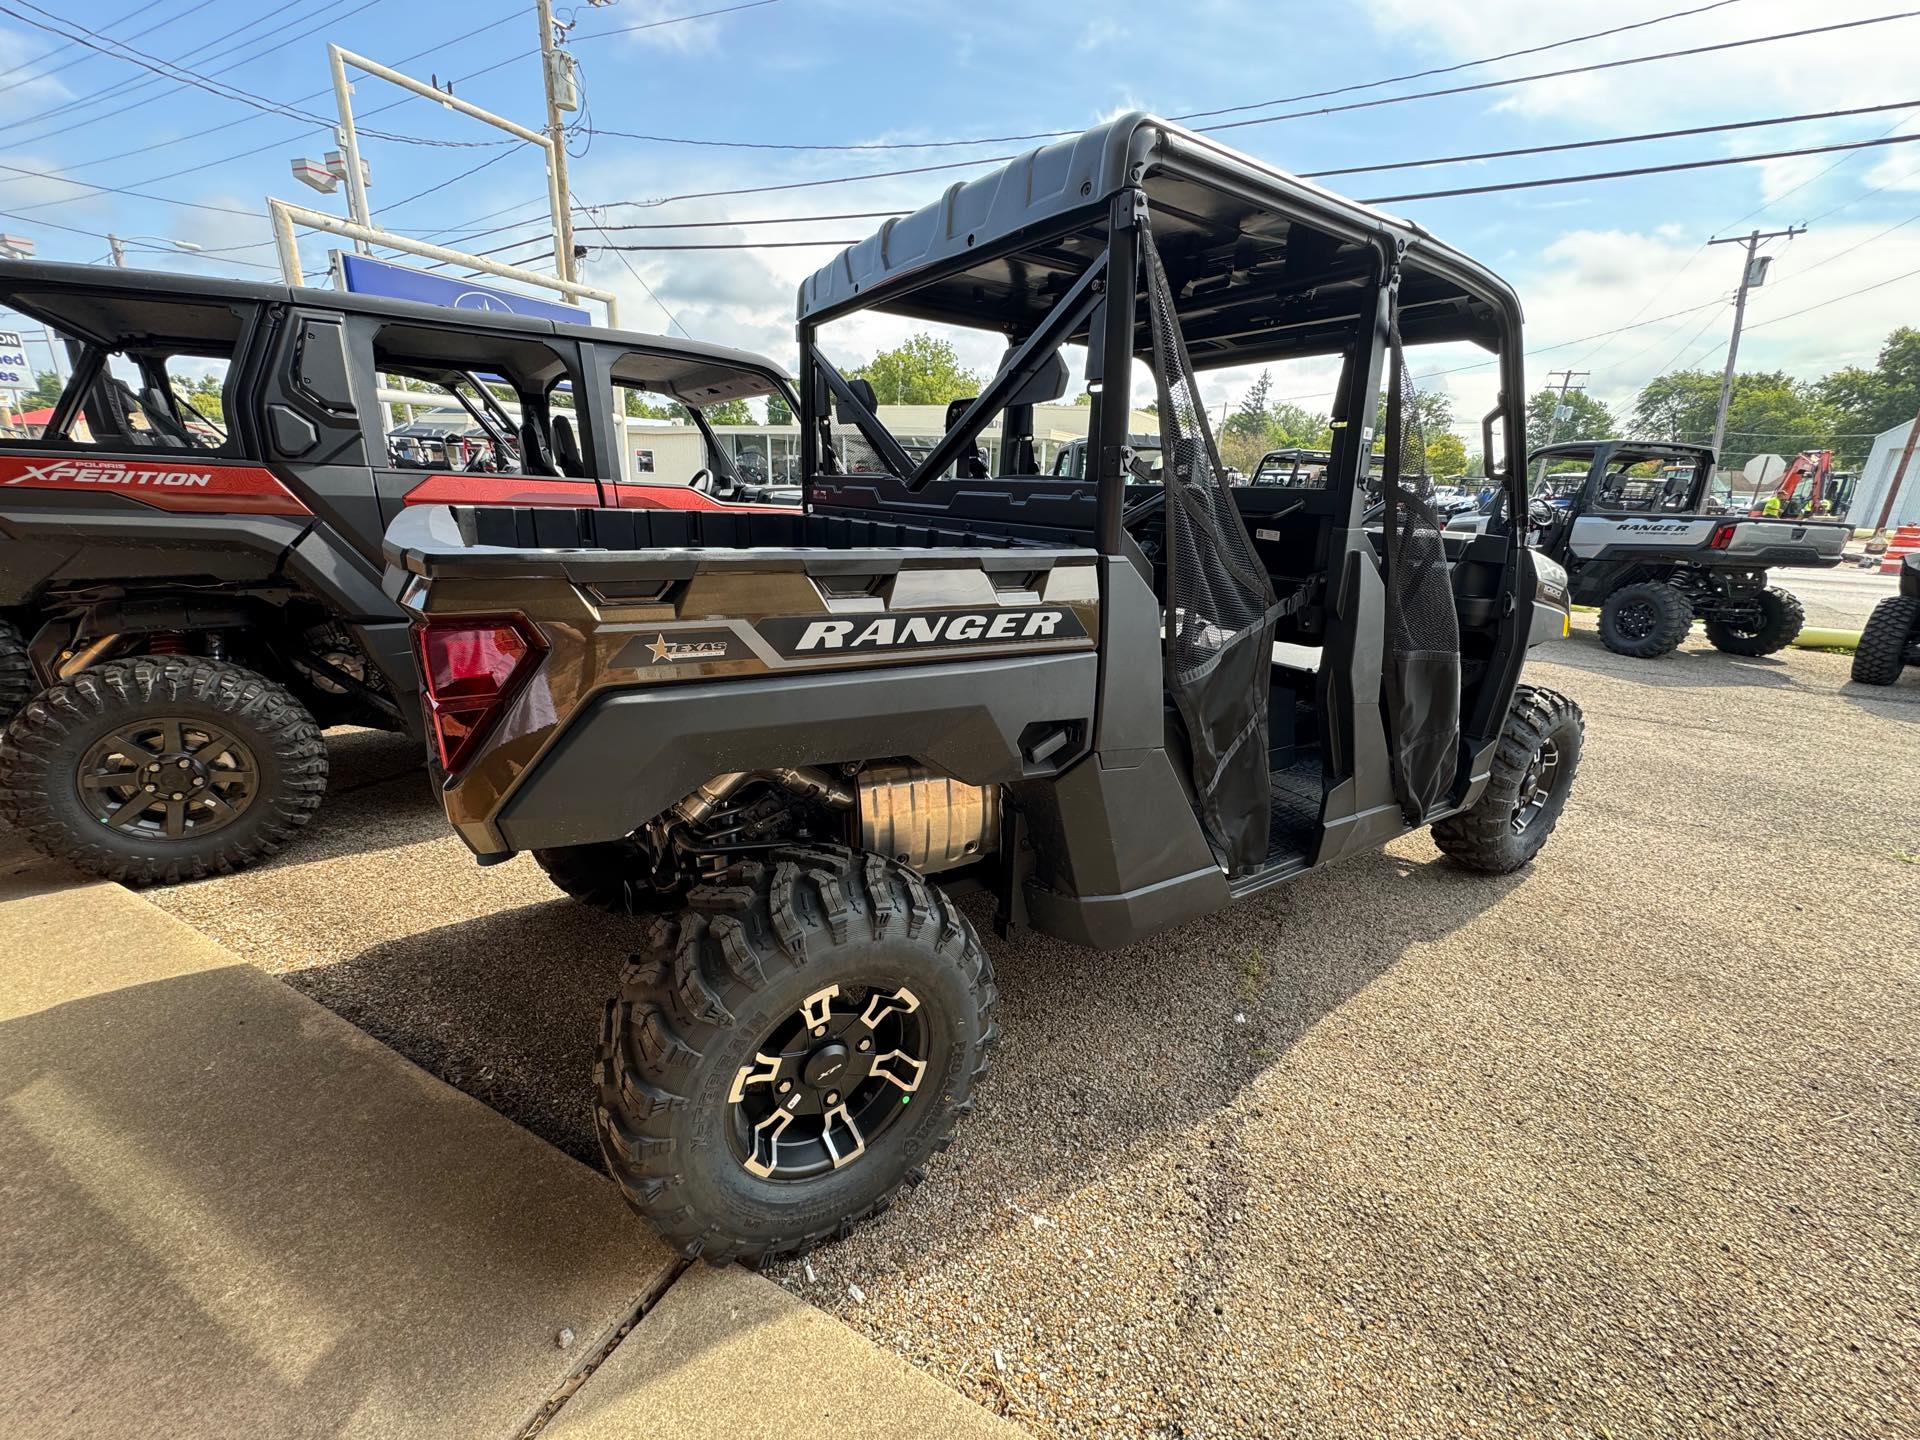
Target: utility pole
(556,69)
(1567,379)
(119,249)
(1754,272)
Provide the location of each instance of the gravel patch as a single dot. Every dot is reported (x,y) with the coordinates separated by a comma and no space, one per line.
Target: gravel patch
(1621,1146)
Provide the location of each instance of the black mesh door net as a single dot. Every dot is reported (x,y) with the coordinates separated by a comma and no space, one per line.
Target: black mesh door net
(1220,609)
(1422,667)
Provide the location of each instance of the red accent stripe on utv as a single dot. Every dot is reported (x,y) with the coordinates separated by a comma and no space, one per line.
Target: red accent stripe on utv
(684,497)
(517,490)
(197,487)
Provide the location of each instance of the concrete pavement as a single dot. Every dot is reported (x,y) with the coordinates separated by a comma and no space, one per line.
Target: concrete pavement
(229,1212)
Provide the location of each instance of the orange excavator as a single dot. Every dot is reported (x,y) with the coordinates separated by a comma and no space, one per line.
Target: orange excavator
(1826,492)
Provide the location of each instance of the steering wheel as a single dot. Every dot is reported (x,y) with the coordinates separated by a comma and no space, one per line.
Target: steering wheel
(702,481)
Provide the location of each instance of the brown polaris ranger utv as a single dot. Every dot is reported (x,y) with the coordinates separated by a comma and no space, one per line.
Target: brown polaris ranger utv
(791,739)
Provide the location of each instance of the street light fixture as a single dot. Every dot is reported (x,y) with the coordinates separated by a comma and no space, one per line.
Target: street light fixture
(117,244)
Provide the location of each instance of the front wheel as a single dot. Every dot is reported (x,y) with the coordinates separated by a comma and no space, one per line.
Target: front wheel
(1533,770)
(1645,620)
(789,1050)
(1890,633)
(1776,621)
(153,770)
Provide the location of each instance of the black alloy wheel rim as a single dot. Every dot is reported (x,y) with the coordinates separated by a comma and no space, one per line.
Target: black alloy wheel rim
(1536,786)
(168,778)
(1637,619)
(831,1079)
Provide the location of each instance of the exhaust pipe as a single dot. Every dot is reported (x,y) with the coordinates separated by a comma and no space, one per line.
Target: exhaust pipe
(808,782)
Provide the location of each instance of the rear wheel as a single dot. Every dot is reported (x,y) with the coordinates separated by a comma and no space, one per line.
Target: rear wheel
(789,1050)
(1533,771)
(1645,620)
(1778,618)
(1889,633)
(17,680)
(153,770)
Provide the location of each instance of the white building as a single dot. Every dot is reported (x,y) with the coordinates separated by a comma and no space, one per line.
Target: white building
(1877,474)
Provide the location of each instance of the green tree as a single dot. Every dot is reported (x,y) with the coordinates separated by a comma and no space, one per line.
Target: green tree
(45,392)
(1770,412)
(729,412)
(926,370)
(1590,418)
(1446,454)
(778,411)
(204,395)
(1870,401)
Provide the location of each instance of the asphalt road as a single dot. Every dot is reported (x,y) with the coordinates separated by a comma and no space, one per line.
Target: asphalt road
(1621,1146)
(1838,599)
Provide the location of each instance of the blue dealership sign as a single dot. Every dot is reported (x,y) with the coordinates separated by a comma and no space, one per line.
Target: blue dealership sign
(365,276)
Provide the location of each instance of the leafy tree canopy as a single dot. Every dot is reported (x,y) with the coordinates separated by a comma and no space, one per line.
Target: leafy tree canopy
(926,370)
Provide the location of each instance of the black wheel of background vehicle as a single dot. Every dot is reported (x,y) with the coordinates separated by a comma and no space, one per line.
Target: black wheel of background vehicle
(17,680)
(612,875)
(1645,620)
(789,1050)
(1890,630)
(1533,770)
(1781,618)
(157,769)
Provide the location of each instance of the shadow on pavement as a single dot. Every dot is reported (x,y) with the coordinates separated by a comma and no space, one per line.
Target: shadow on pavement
(1122,1044)
(229,1215)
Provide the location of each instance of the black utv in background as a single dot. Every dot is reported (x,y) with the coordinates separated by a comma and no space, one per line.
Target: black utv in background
(1114,706)
(190,552)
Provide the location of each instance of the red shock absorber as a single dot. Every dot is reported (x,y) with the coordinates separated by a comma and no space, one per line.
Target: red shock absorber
(166,642)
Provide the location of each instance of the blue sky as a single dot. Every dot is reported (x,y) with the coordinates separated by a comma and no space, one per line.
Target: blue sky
(848,72)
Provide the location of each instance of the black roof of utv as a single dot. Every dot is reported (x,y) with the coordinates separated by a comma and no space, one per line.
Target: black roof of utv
(1262,260)
(79,298)
(1678,450)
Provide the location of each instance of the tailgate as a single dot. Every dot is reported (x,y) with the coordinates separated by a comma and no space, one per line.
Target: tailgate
(1769,541)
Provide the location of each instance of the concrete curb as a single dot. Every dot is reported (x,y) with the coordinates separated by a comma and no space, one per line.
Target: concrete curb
(228,1211)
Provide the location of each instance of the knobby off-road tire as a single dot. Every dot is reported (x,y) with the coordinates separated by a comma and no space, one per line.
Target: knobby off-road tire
(1782,617)
(17,680)
(1533,770)
(720,982)
(1882,651)
(610,876)
(246,755)
(1645,620)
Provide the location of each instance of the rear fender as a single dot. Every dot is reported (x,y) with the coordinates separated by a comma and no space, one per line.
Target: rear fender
(632,753)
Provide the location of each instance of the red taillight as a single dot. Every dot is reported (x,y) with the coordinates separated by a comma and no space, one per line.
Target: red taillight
(1722,538)
(469,670)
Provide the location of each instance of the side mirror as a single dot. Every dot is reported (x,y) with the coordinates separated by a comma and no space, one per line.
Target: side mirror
(957,408)
(863,392)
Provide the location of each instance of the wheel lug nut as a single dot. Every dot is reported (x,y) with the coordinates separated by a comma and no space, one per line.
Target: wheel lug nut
(833,1097)
(818,1031)
(186,765)
(866,1044)
(148,788)
(785,1086)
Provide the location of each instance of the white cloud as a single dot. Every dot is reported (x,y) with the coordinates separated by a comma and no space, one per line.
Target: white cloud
(1876,61)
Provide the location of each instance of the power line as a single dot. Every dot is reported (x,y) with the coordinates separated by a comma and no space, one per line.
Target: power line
(182,75)
(1822,304)
(1477,86)
(101,235)
(1640,170)
(738,245)
(674,20)
(120,88)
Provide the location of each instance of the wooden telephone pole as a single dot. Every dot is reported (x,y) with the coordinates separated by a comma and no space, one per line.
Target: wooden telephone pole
(1567,379)
(1754,272)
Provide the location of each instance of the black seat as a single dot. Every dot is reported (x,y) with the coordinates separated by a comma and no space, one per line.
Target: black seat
(566,450)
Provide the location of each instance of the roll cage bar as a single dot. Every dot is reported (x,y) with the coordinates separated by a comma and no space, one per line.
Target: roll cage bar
(1265,266)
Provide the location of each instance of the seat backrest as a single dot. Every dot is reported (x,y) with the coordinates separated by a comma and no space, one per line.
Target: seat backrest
(566,450)
(533,448)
